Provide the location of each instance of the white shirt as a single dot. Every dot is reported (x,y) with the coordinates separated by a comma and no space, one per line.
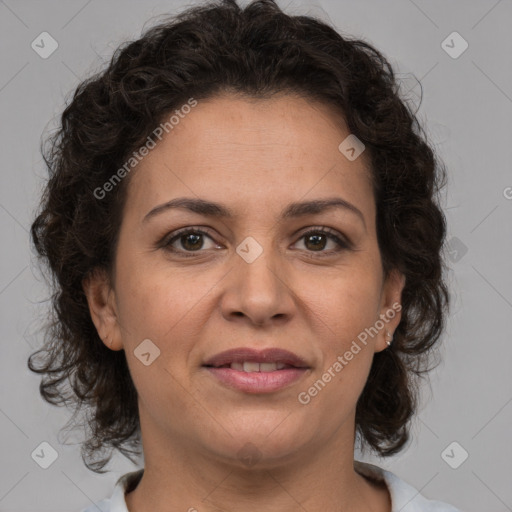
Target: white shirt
(404,498)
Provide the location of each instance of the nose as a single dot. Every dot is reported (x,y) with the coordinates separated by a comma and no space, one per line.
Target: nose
(258,292)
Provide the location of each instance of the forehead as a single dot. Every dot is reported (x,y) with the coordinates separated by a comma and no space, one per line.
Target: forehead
(256,152)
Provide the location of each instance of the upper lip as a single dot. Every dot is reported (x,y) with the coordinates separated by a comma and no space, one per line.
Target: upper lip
(268,355)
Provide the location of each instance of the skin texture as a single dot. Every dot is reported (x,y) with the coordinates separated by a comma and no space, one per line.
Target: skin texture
(256,157)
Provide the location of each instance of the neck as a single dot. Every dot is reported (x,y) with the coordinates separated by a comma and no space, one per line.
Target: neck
(182,477)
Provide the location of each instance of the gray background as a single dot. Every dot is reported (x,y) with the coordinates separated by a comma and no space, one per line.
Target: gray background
(467,110)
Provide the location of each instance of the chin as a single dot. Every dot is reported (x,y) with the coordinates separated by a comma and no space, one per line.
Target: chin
(260,449)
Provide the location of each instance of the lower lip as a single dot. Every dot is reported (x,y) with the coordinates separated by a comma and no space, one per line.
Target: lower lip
(257,382)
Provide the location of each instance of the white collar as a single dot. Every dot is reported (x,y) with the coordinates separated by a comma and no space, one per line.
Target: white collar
(404,497)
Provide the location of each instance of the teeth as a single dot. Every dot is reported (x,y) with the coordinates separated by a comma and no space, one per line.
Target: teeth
(249,366)
(268,367)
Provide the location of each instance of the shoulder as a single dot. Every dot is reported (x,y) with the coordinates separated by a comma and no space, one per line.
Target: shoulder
(404,497)
(117,502)
(103,506)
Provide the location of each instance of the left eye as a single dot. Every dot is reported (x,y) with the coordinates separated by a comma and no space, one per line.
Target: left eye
(191,241)
(314,237)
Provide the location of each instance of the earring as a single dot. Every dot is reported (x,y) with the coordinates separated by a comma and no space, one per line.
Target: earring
(390,336)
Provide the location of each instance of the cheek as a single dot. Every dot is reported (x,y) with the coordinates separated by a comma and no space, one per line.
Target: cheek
(344,305)
(164,307)
(151,300)
(347,348)
(351,308)
(149,308)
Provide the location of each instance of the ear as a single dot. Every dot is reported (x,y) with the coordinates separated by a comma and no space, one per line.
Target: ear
(390,308)
(101,299)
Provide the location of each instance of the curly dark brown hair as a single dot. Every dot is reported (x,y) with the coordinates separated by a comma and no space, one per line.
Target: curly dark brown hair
(256,51)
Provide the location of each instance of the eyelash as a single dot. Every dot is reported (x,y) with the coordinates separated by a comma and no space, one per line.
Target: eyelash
(331,234)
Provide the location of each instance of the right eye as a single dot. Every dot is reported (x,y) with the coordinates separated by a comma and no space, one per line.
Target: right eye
(190,240)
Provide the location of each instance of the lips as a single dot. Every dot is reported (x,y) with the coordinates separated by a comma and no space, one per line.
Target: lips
(253,371)
(241,356)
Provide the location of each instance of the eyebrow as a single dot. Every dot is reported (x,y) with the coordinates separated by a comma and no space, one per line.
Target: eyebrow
(297,209)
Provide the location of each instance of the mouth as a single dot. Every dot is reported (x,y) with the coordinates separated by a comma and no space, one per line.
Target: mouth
(251,360)
(256,371)
(254,366)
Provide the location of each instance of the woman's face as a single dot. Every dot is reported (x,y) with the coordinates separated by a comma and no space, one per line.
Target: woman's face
(256,280)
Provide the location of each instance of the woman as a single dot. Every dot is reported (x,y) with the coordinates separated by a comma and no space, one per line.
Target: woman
(242,223)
